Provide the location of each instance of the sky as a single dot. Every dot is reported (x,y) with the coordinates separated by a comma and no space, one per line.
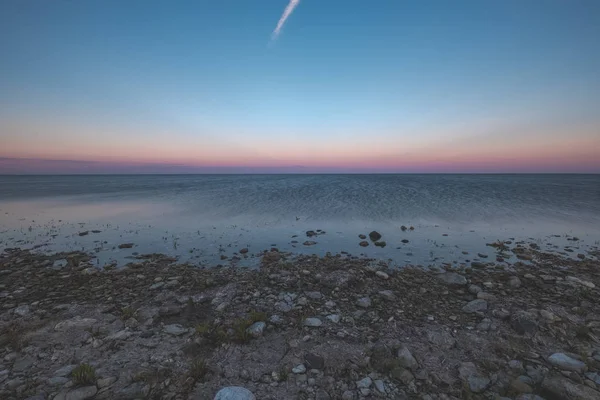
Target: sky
(279,86)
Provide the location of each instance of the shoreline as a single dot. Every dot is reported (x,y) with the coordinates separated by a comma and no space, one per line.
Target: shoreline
(299,327)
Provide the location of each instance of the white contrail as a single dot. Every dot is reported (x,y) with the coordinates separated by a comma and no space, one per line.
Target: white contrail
(286,13)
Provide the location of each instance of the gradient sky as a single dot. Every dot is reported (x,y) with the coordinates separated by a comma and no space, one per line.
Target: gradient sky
(347,86)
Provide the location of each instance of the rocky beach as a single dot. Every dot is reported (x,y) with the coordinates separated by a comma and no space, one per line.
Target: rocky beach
(301,327)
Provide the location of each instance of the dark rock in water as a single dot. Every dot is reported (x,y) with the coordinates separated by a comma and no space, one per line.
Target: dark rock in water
(364,243)
(482,255)
(244,250)
(375,236)
(412,228)
(310,243)
(294,242)
(478,265)
(96,231)
(223,257)
(126,245)
(524,322)
(404,240)
(404,228)
(311,233)
(380,244)
(85,233)
(361,236)
(313,361)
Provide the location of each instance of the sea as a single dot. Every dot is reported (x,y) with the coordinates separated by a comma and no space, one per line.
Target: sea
(207,219)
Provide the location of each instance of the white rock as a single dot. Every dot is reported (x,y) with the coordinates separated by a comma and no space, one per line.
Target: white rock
(257,328)
(299,369)
(64,371)
(364,383)
(22,310)
(382,275)
(364,302)
(234,393)
(380,386)
(175,329)
(563,361)
(313,322)
(335,318)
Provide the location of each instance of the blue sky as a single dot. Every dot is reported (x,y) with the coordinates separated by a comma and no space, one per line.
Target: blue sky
(350,85)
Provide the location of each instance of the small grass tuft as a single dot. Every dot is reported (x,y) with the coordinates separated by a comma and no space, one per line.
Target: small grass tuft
(84,374)
(257,316)
(213,333)
(198,369)
(240,330)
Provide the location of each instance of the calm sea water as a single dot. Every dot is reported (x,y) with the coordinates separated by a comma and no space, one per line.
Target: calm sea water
(201,217)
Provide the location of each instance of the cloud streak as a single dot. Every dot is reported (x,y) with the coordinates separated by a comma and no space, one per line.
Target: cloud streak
(286,13)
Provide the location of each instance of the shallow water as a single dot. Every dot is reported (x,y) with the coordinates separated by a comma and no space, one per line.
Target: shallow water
(200,217)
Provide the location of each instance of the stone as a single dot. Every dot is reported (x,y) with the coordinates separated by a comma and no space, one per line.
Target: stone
(474,306)
(484,325)
(314,361)
(364,383)
(524,322)
(64,371)
(468,373)
(379,385)
(82,393)
(275,319)
(283,307)
(381,243)
(335,318)
(594,377)
(106,382)
(486,296)
(560,387)
(519,386)
(364,243)
(387,295)
(314,295)
(364,302)
(22,311)
(514,282)
(22,364)
(406,359)
(549,316)
(309,243)
(175,329)
(452,279)
(442,339)
(57,381)
(313,322)
(234,393)
(374,236)
(120,335)
(244,250)
(257,329)
(478,265)
(474,289)
(361,236)
(299,369)
(348,395)
(564,362)
(580,281)
(382,275)
(75,323)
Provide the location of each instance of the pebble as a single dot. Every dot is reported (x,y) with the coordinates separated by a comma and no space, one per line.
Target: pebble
(364,302)
(335,318)
(474,306)
(299,369)
(452,279)
(234,393)
(175,329)
(387,295)
(257,328)
(564,362)
(313,322)
(380,386)
(406,359)
(364,383)
(382,275)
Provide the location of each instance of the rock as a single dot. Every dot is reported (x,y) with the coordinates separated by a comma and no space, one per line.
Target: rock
(105,382)
(381,243)
(442,339)
(388,295)
(156,285)
(57,381)
(126,246)
(474,289)
(548,316)
(559,387)
(64,371)
(244,250)
(314,361)
(75,323)
(406,359)
(283,307)
(364,383)
(594,377)
(58,264)
(514,282)
(474,306)
(452,279)
(175,329)
(364,302)
(580,281)
(382,275)
(361,236)
(564,362)
(22,311)
(374,236)
(234,393)
(275,319)
(257,328)
(22,364)
(404,241)
(120,335)
(82,393)
(519,386)
(310,243)
(299,369)
(313,322)
(311,233)
(478,265)
(348,395)
(380,386)
(486,296)
(364,243)
(484,325)
(468,373)
(335,318)
(524,322)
